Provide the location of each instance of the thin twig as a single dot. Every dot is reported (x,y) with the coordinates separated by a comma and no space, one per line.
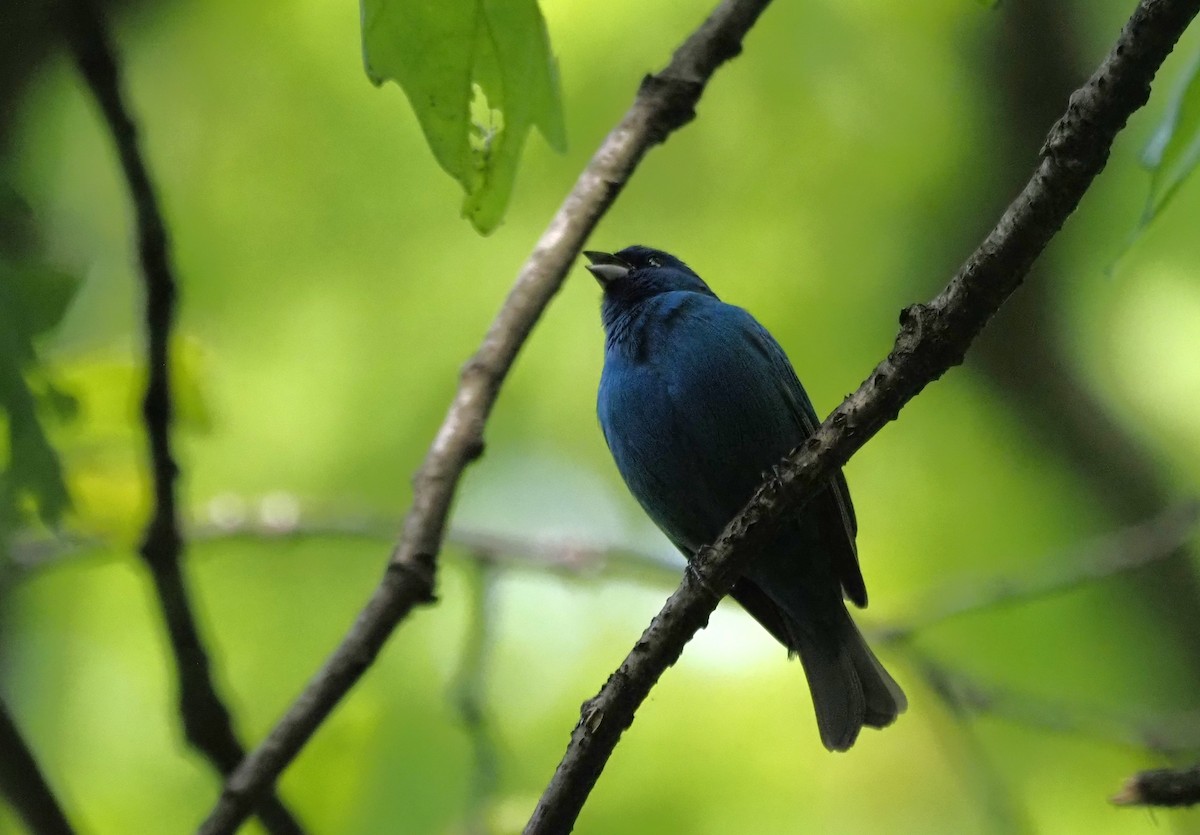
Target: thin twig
(933,338)
(997,803)
(206,720)
(1168,734)
(665,102)
(22,782)
(470,698)
(1170,787)
(572,557)
(564,556)
(1132,547)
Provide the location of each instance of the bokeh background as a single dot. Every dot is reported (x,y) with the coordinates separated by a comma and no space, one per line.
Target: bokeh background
(839,170)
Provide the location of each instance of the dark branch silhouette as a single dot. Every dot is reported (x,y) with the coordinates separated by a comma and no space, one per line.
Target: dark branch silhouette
(1161,787)
(22,782)
(665,102)
(206,720)
(933,338)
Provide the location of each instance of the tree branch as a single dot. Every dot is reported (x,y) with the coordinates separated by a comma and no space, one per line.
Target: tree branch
(933,338)
(1161,787)
(25,785)
(1032,64)
(206,720)
(665,102)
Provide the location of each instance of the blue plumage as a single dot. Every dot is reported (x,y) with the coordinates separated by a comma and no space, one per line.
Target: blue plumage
(697,401)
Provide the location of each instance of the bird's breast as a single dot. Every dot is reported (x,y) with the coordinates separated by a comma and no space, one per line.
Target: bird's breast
(693,417)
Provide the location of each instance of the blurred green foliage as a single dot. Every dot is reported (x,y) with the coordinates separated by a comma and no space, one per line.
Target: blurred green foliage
(1174,150)
(330,294)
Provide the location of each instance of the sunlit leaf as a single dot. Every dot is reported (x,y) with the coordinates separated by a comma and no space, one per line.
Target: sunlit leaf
(1174,150)
(479,74)
(110,383)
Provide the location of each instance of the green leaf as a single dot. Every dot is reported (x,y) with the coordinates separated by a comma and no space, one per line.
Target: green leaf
(33,482)
(34,296)
(478,74)
(1174,150)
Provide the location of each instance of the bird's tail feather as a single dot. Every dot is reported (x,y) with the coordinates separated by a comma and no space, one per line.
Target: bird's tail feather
(850,688)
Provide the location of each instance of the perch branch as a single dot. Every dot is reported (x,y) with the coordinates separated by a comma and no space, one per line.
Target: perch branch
(206,720)
(665,102)
(933,338)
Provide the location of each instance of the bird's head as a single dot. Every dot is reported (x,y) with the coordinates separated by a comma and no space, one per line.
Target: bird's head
(637,273)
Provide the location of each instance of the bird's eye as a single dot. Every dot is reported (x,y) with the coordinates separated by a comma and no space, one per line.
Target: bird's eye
(654,262)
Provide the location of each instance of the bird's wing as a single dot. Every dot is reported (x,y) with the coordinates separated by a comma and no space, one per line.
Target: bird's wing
(766,611)
(831,504)
(696,406)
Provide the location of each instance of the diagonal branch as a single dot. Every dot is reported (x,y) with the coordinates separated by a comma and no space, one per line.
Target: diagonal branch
(665,102)
(22,781)
(206,720)
(933,338)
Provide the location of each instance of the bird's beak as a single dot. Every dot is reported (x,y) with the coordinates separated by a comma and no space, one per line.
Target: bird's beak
(606,267)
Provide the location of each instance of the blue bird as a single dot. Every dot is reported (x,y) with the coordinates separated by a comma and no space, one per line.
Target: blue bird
(697,402)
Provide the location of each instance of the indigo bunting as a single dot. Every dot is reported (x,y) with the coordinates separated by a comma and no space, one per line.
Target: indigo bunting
(697,402)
